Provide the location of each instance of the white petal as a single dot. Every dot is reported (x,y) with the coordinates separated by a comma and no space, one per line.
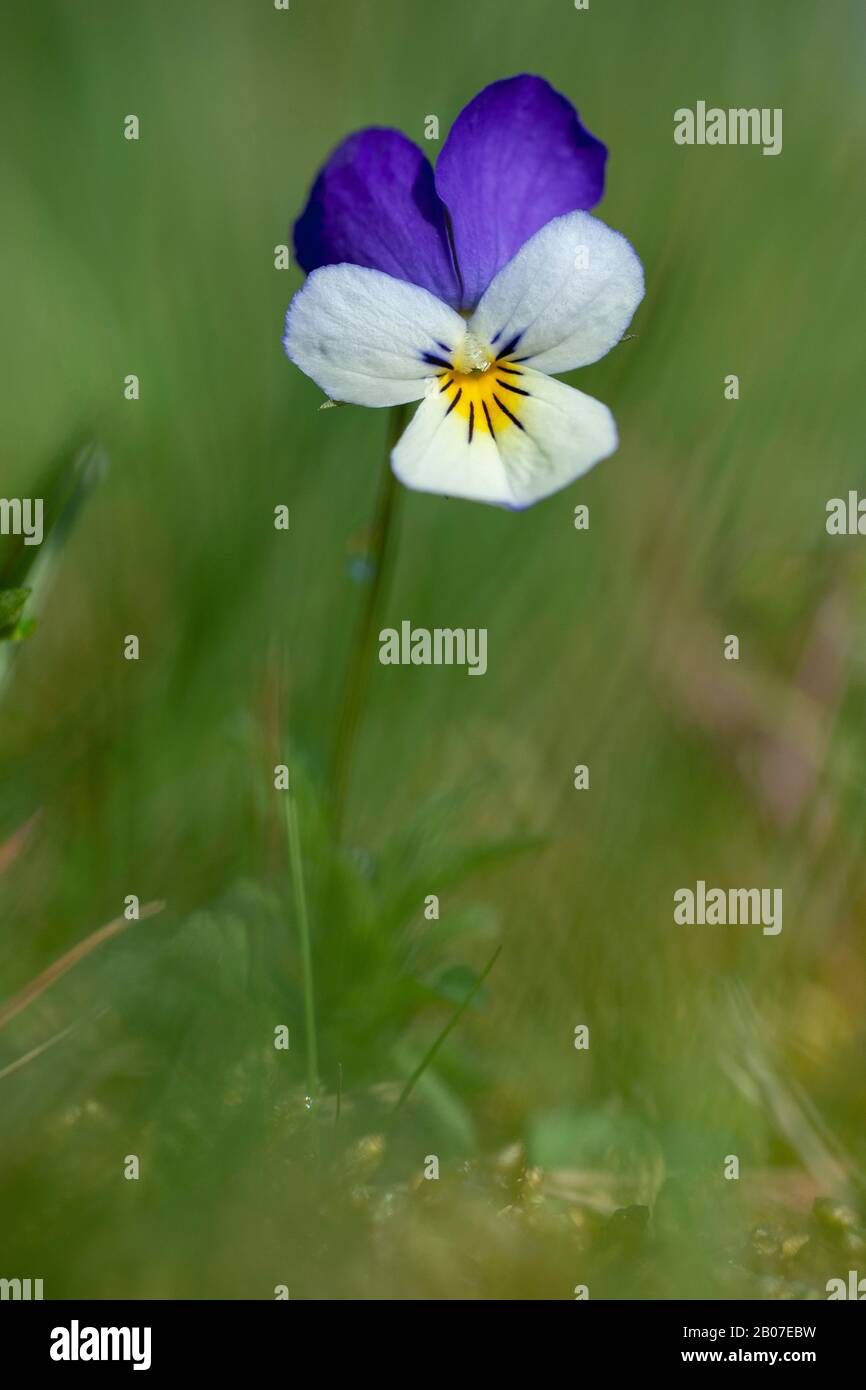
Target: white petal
(544,435)
(365,337)
(566,297)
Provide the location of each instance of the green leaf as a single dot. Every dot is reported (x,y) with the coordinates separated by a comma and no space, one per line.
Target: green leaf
(12,603)
(454,984)
(609,1140)
(65,484)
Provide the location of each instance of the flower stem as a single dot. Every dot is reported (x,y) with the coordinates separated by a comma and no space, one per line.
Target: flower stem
(297,864)
(360,660)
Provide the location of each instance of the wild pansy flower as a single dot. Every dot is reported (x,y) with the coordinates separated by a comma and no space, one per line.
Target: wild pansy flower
(468,290)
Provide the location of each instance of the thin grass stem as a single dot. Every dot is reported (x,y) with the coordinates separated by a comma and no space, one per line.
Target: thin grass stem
(296,861)
(431,1052)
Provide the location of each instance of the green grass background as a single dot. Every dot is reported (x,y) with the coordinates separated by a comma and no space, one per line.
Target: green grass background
(605,648)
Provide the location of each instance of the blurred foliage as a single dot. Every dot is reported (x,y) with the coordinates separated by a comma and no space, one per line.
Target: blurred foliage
(155,777)
(12,603)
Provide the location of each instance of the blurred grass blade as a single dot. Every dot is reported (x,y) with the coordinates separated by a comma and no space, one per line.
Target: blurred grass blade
(297,864)
(37,1051)
(11,848)
(438,1041)
(24,569)
(64,487)
(59,967)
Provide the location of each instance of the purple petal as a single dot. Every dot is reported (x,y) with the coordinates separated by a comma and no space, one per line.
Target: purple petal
(516,157)
(374,204)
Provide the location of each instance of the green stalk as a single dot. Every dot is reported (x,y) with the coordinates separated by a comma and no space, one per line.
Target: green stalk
(439,1040)
(361,658)
(297,864)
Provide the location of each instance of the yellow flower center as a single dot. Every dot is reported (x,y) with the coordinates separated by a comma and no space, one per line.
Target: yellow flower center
(483,389)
